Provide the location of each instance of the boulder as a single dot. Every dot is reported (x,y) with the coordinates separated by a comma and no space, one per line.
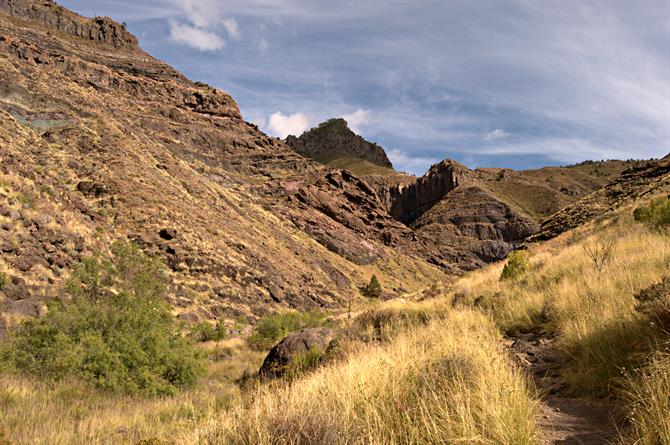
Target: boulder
(306,345)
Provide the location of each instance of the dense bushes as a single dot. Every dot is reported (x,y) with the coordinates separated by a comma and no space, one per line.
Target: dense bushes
(115,331)
(517,264)
(274,327)
(657,213)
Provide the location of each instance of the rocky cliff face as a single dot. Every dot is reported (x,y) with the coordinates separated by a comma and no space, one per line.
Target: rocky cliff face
(51,15)
(333,140)
(407,202)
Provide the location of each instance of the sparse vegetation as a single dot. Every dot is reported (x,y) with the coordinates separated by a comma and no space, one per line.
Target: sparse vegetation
(272,328)
(115,332)
(373,289)
(517,264)
(600,251)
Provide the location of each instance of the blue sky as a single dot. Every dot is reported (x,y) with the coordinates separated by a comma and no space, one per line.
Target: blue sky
(517,84)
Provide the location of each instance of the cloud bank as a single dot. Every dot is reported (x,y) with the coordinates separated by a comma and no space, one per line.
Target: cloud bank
(281,125)
(516,84)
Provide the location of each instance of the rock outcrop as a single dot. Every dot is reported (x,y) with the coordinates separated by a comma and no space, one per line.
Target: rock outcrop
(297,350)
(333,140)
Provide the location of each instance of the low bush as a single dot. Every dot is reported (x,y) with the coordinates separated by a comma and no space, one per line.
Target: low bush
(517,264)
(3,280)
(206,331)
(116,330)
(272,328)
(657,213)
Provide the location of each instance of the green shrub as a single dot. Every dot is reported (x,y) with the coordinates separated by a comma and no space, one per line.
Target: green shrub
(206,331)
(272,328)
(3,280)
(657,213)
(373,289)
(115,331)
(517,264)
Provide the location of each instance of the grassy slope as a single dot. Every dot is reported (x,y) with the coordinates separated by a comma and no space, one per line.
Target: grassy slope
(438,374)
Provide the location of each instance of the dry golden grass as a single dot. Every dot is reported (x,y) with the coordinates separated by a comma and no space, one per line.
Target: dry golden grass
(648,395)
(591,311)
(446,382)
(431,371)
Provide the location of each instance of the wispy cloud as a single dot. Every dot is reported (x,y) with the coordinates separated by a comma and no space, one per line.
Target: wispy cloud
(357,119)
(495,135)
(194,37)
(403,161)
(201,25)
(564,81)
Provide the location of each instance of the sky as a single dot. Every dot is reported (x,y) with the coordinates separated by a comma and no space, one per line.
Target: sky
(518,84)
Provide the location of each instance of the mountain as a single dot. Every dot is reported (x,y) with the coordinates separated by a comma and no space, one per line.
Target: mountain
(642,179)
(99,141)
(332,142)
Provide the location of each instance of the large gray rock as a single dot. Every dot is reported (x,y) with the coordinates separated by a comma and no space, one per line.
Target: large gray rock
(297,350)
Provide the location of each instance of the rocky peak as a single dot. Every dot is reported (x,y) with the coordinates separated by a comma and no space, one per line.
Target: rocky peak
(333,140)
(48,13)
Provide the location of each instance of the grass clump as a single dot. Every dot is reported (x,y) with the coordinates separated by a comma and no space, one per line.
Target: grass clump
(648,394)
(445,382)
(116,330)
(657,213)
(373,289)
(517,264)
(654,302)
(272,328)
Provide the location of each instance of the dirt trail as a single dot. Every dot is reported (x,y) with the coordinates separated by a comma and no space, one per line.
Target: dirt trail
(566,420)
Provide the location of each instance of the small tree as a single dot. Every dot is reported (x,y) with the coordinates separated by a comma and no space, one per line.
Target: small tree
(600,252)
(373,289)
(517,264)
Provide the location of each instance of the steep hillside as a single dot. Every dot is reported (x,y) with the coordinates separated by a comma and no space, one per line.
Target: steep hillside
(643,178)
(99,141)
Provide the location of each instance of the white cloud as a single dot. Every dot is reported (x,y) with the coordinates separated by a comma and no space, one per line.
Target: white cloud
(402,161)
(495,135)
(357,119)
(197,38)
(201,29)
(281,125)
